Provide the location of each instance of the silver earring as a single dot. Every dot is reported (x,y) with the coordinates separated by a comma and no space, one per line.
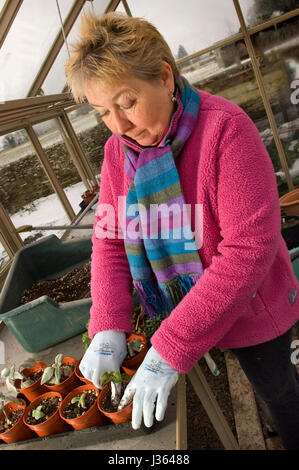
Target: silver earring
(172,97)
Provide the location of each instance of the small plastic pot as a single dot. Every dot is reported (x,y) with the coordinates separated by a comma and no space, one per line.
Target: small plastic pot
(36,389)
(53,425)
(18,432)
(67,385)
(91,417)
(80,375)
(118,416)
(130,366)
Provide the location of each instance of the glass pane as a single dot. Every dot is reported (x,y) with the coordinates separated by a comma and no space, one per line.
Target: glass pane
(278,53)
(227,72)
(121,9)
(2,3)
(192,24)
(58,156)
(3,257)
(55,81)
(25,191)
(258,11)
(92,134)
(28,43)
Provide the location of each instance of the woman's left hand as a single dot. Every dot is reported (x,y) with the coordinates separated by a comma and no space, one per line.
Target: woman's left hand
(150,387)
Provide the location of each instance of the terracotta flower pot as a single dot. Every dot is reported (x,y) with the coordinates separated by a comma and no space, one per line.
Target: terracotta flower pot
(67,385)
(91,417)
(36,389)
(53,425)
(118,416)
(290,202)
(131,365)
(89,194)
(18,432)
(80,375)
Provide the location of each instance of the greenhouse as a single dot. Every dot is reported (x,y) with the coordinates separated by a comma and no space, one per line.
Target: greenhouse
(233,85)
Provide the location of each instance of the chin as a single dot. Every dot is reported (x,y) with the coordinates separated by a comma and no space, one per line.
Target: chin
(149,141)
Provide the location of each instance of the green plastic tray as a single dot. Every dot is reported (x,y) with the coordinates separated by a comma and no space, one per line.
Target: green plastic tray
(42,323)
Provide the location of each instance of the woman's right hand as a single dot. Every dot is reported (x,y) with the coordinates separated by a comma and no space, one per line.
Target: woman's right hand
(106,352)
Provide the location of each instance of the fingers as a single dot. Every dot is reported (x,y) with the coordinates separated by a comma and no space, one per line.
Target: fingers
(137,408)
(127,397)
(149,407)
(162,399)
(161,405)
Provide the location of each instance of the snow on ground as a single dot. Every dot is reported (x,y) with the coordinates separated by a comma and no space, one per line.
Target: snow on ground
(46,211)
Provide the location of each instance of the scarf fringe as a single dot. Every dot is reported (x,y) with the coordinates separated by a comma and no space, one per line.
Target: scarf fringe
(149,298)
(169,295)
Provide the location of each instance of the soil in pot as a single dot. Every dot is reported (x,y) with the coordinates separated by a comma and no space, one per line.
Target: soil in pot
(110,410)
(66,371)
(5,425)
(12,428)
(47,406)
(73,410)
(47,419)
(34,374)
(74,285)
(80,410)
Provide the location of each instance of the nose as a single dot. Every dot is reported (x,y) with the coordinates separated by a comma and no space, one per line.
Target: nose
(121,123)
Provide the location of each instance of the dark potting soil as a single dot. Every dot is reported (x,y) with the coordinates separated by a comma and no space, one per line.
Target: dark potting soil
(14,418)
(49,406)
(73,410)
(34,377)
(106,403)
(73,285)
(65,376)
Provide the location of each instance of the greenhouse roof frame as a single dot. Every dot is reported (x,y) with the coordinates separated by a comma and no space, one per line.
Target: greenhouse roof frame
(38,107)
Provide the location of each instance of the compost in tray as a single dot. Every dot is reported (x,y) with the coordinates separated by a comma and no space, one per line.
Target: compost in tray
(74,285)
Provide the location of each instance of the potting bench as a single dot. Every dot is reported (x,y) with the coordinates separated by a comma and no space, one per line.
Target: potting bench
(170,434)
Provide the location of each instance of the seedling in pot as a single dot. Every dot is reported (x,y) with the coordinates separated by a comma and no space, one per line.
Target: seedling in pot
(9,421)
(80,399)
(38,412)
(57,372)
(10,374)
(118,382)
(44,410)
(79,404)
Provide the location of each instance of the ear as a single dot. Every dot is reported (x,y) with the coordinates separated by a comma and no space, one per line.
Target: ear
(167,76)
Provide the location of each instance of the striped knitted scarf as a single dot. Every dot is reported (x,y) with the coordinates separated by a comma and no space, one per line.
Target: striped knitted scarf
(162,255)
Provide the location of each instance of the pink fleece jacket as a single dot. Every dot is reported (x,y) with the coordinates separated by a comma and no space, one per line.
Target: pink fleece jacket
(248,293)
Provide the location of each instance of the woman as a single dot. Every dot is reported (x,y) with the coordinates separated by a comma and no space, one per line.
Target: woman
(225,279)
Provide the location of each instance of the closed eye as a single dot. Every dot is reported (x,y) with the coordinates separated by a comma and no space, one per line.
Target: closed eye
(129,106)
(104,114)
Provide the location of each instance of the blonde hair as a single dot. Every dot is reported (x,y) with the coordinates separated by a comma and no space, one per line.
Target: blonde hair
(113,46)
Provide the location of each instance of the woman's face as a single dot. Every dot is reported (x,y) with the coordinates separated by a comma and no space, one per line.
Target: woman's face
(135,108)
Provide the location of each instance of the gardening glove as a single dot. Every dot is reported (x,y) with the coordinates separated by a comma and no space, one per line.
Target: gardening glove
(150,387)
(106,352)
